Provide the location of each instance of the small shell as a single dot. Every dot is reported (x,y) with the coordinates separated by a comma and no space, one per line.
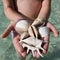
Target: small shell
(44,31)
(30,32)
(33,31)
(21,26)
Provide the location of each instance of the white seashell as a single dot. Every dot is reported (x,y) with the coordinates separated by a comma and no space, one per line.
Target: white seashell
(21,26)
(30,31)
(33,31)
(30,41)
(32,49)
(43,31)
(32,44)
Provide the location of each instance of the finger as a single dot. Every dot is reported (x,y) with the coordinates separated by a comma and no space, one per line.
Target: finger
(46,38)
(46,44)
(24,54)
(37,54)
(17,45)
(7,31)
(53,29)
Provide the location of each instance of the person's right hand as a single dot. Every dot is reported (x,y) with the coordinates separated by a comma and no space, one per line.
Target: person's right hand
(16,38)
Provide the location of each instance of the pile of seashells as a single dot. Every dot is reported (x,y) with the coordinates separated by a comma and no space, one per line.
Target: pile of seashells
(29,36)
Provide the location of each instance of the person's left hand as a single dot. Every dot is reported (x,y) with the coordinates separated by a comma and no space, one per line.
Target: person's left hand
(55,32)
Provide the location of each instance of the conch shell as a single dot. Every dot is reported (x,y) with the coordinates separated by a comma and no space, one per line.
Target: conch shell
(33,31)
(32,44)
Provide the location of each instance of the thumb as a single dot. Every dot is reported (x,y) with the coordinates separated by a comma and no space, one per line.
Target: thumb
(53,29)
(7,31)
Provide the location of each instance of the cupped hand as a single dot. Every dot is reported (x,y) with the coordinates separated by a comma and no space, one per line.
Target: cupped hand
(46,45)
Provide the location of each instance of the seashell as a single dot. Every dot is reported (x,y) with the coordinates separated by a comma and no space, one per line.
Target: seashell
(33,31)
(29,41)
(32,49)
(43,31)
(21,26)
(32,44)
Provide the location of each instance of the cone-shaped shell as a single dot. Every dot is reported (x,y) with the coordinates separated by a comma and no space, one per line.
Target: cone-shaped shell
(33,31)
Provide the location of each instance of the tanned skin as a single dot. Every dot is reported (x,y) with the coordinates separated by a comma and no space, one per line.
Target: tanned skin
(29,10)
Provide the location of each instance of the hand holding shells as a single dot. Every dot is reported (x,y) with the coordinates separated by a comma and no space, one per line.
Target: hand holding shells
(29,36)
